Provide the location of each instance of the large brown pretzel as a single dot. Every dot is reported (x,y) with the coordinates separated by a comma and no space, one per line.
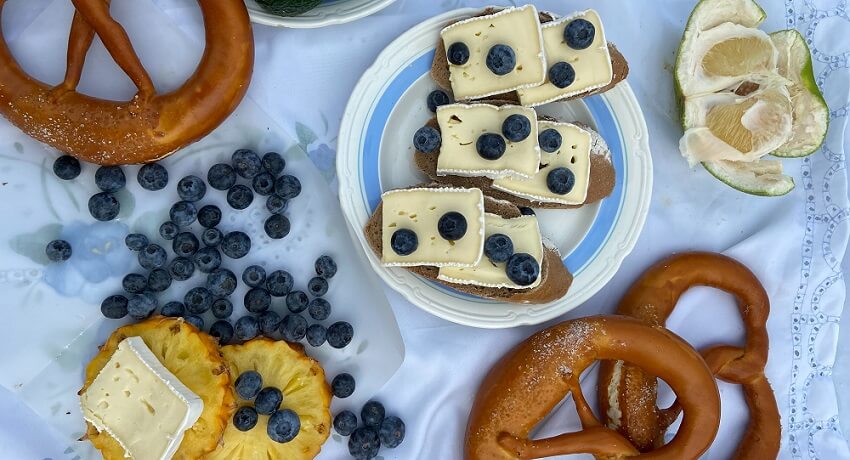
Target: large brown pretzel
(536,375)
(627,393)
(149,126)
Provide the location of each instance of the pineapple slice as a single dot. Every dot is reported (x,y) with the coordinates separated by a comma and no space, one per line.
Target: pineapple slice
(301,380)
(194,358)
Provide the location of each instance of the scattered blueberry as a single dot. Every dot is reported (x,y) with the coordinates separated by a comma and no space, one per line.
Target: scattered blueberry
(58,250)
(343,385)
(560,181)
(427,139)
(345,422)
(110,178)
(293,327)
(501,59)
(152,256)
(276,204)
(168,230)
(211,237)
(114,307)
(296,301)
(490,146)
(181,268)
(152,176)
(207,259)
(257,300)
(391,432)
(317,286)
(246,328)
(269,322)
(198,300)
(222,308)
(268,399)
(287,187)
(437,98)
(173,309)
(372,414)
(134,283)
(317,335)
(248,385)
(195,320)
(284,426)
(579,34)
(254,276)
(66,167)
(276,226)
(223,331)
(562,74)
(523,269)
(136,241)
(221,176)
(279,283)
(236,245)
(550,140)
(104,206)
(458,53)
(209,216)
(498,248)
(526,211)
(516,128)
(319,309)
(325,267)
(140,306)
(340,334)
(239,196)
(364,443)
(185,244)
(159,280)
(245,418)
(221,282)
(263,184)
(404,242)
(183,213)
(273,163)
(191,188)
(452,226)
(246,163)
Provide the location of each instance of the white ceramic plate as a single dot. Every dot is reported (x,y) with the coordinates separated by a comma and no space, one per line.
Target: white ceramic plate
(330,12)
(375,154)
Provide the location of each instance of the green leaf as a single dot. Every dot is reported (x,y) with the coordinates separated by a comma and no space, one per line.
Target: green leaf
(337,437)
(128,202)
(306,136)
(31,245)
(149,222)
(362,346)
(296,151)
(19,147)
(325,123)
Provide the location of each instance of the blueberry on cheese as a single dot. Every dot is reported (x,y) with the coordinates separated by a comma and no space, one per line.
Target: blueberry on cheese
(452,226)
(498,248)
(458,53)
(560,181)
(490,146)
(516,127)
(523,269)
(562,74)
(550,140)
(501,59)
(579,34)
(404,242)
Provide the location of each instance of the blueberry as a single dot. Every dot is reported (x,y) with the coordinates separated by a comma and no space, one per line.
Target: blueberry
(140,306)
(263,184)
(372,414)
(269,322)
(273,163)
(159,280)
(221,176)
(560,181)
(110,178)
(58,250)
(296,301)
(579,34)
(340,334)
(195,320)
(136,241)
(427,139)
(284,426)
(452,226)
(562,74)
(152,256)
(317,286)
(211,237)
(198,300)
(293,327)
(246,163)
(66,167)
(114,307)
(345,422)
(104,206)
(490,146)
(152,176)
(173,309)
(287,187)
(550,140)
(516,128)
(391,432)
(168,230)
(221,282)
(207,259)
(268,399)
(248,385)
(364,443)
(222,308)
(246,328)
(276,226)
(245,418)
(317,335)
(181,268)
(458,53)
(498,248)
(209,216)
(437,98)
(501,59)
(239,197)
(526,211)
(185,244)
(254,276)
(183,213)
(191,188)
(319,309)
(276,204)
(404,242)
(522,269)
(325,267)
(134,283)
(279,283)
(343,385)
(236,245)
(223,331)
(257,300)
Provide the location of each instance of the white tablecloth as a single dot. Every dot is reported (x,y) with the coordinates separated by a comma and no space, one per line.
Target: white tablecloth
(795,244)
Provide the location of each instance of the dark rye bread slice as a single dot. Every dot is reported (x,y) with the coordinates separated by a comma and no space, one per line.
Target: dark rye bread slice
(440,67)
(555,282)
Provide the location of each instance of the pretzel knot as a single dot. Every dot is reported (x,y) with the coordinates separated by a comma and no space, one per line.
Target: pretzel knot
(627,394)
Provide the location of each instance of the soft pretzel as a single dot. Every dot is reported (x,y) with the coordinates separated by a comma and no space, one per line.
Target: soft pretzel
(149,126)
(536,375)
(627,393)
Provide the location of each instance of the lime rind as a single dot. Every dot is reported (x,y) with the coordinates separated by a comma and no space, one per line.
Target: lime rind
(760,178)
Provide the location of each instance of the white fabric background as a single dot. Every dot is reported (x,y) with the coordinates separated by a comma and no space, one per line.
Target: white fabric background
(795,244)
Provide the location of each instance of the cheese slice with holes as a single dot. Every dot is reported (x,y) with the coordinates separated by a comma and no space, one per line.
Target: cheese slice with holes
(140,403)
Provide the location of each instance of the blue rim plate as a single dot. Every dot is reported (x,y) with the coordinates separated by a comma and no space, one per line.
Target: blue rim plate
(329,12)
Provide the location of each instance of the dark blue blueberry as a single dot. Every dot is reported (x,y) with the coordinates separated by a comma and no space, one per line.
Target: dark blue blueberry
(391,432)
(207,259)
(183,213)
(276,204)
(110,178)
(293,327)
(317,335)
(104,206)
(287,187)
(254,276)
(114,307)
(195,320)
(317,286)
(222,308)
(437,98)
(236,245)
(284,426)
(498,248)
(562,74)
(136,241)
(268,399)
(560,181)
(168,230)
(550,140)
(239,196)
(152,176)
(257,300)
(263,184)
(522,269)
(345,422)
(325,267)
(198,300)
(221,282)
(134,283)
(372,414)
(458,53)
(159,280)
(173,309)
(579,34)
(141,306)
(319,309)
(211,237)
(452,226)
(296,301)
(279,283)
(526,211)
(246,162)
(248,385)
(152,256)
(427,139)
(490,146)
(276,226)
(404,242)
(501,59)
(181,268)
(66,167)
(340,334)
(516,128)
(209,216)
(343,385)
(246,328)
(221,176)
(364,443)
(58,250)
(191,188)
(273,163)
(269,322)
(245,418)
(223,331)
(185,244)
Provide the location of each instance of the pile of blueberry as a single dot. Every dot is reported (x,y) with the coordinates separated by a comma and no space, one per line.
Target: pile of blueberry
(377,430)
(283,425)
